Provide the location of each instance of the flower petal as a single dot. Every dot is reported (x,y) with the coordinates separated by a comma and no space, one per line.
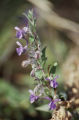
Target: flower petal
(25,29)
(18,43)
(19,34)
(17,28)
(52,105)
(31,92)
(19,50)
(57,100)
(32,98)
(53,84)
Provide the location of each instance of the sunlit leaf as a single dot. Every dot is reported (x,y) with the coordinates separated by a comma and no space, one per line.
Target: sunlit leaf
(44,108)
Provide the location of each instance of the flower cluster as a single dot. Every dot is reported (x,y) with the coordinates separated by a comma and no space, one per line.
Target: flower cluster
(45,79)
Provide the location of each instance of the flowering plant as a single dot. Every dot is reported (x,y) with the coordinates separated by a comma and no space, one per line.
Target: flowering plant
(45,79)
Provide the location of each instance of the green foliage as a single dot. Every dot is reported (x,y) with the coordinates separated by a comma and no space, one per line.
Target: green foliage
(13,96)
(44,108)
(30,14)
(63,96)
(43,56)
(31,20)
(31,39)
(14,99)
(53,68)
(39,74)
(47,92)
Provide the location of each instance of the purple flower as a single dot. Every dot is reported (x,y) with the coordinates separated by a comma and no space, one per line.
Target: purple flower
(20,32)
(53,82)
(33,97)
(52,104)
(21,49)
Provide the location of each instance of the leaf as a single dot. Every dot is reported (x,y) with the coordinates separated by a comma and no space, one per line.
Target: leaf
(63,96)
(53,68)
(44,54)
(39,74)
(31,39)
(44,108)
(47,92)
(30,14)
(43,57)
(29,19)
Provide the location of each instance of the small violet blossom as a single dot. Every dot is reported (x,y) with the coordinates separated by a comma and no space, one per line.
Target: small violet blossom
(21,49)
(53,82)
(52,104)
(33,97)
(20,32)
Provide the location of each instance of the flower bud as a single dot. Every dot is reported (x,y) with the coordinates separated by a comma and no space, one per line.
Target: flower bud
(32,73)
(25,63)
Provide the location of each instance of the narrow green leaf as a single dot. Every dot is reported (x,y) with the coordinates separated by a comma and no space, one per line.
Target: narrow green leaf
(44,108)
(30,14)
(43,57)
(44,54)
(28,18)
(39,74)
(53,68)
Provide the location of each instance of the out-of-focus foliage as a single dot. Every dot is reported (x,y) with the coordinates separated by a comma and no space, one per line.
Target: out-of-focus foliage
(9,12)
(14,99)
